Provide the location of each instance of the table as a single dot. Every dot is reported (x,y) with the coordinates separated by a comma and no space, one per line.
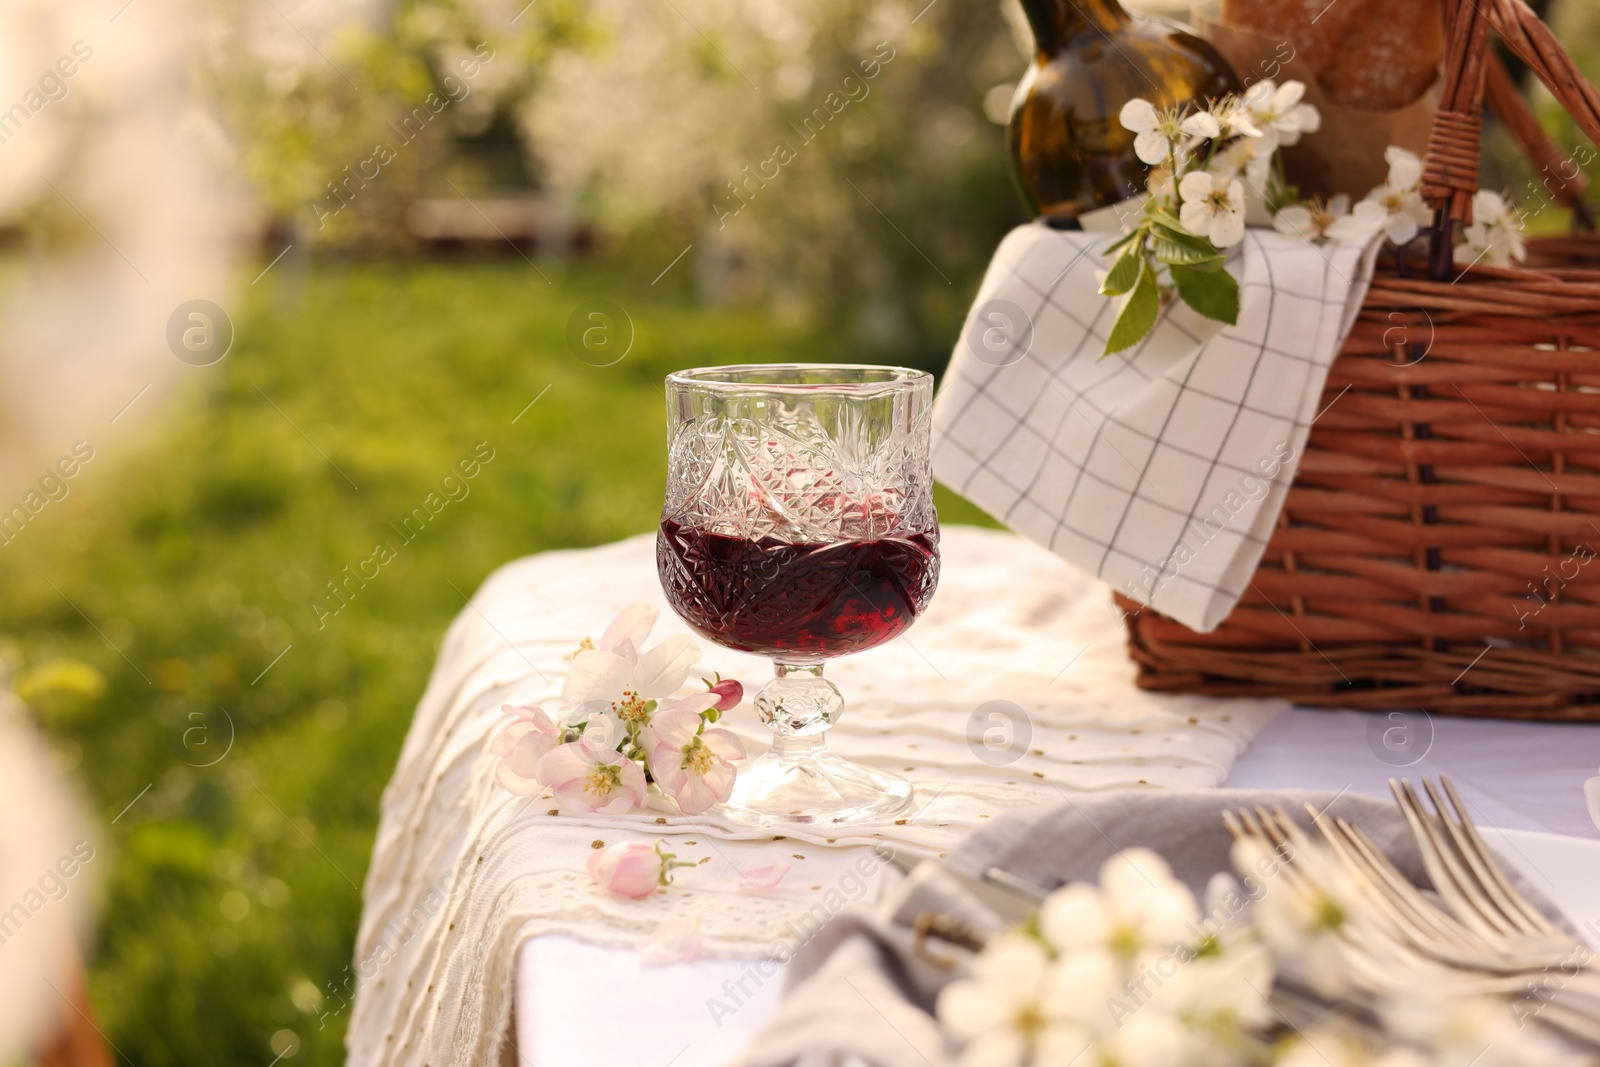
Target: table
(1524,779)
(469,883)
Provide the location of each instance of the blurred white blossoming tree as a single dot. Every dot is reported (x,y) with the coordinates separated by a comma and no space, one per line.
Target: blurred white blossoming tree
(833,159)
(343,114)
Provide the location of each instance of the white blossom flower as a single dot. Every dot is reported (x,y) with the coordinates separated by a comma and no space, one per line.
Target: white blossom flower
(1278,108)
(622,681)
(1331,1045)
(1311,221)
(1148,1039)
(1462,1029)
(1405,169)
(1395,207)
(1225,989)
(1364,220)
(1303,919)
(1202,125)
(1212,207)
(1495,235)
(1161,133)
(1017,1009)
(1249,157)
(1400,215)
(1227,908)
(1233,118)
(1139,909)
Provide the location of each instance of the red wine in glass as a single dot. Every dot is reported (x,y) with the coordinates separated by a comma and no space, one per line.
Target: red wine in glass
(798,602)
(798,524)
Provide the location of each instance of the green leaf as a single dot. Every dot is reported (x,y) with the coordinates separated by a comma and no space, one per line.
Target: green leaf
(1179,235)
(1214,294)
(1166,218)
(1121,241)
(1137,315)
(1124,273)
(1181,253)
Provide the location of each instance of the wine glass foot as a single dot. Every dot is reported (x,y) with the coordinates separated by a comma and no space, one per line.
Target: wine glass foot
(815,786)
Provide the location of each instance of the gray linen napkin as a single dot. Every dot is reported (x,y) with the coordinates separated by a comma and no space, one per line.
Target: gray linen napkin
(857,992)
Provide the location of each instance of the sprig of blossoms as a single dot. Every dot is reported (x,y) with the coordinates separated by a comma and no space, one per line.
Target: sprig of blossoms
(1495,234)
(1125,973)
(1396,209)
(1119,974)
(1208,165)
(624,726)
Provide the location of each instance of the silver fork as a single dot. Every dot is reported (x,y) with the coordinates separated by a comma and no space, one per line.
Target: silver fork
(1464,872)
(1405,933)
(1397,923)
(1436,931)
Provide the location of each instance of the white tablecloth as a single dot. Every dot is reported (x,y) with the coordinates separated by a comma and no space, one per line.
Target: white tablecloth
(1526,778)
(1514,775)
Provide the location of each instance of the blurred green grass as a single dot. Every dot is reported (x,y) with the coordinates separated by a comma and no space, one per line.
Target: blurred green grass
(351,390)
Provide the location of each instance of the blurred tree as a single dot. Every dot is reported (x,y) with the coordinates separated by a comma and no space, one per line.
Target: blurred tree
(832,158)
(345,114)
(1577,25)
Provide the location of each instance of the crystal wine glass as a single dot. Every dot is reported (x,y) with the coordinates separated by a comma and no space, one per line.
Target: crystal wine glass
(799,525)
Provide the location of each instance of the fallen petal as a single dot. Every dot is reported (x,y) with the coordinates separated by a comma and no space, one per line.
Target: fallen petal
(674,941)
(766,879)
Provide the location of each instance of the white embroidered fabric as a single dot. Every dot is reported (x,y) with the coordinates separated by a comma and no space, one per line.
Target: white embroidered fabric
(1013,688)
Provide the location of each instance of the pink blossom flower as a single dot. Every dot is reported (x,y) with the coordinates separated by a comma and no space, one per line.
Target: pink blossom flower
(690,762)
(762,879)
(629,869)
(521,744)
(589,775)
(622,679)
(631,626)
(728,693)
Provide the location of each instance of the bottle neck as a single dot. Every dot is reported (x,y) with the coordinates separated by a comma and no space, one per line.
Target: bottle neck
(1055,22)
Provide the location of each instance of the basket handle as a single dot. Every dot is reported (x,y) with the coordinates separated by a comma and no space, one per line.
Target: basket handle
(1450,175)
(1501,95)
(1531,41)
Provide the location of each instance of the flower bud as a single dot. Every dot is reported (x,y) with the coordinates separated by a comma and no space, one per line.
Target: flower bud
(630,869)
(728,693)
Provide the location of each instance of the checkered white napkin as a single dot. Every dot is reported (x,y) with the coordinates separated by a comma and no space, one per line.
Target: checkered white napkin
(1163,468)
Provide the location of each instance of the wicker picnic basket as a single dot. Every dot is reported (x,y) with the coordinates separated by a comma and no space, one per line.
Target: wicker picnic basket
(1436,548)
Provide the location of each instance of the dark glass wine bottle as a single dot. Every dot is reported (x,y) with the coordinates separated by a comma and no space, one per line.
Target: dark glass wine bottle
(1067,143)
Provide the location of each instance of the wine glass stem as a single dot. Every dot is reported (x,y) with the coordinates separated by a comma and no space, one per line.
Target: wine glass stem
(799,704)
(798,746)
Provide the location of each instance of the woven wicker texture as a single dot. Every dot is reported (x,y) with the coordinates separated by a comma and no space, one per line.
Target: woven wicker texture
(1440,547)
(1433,551)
